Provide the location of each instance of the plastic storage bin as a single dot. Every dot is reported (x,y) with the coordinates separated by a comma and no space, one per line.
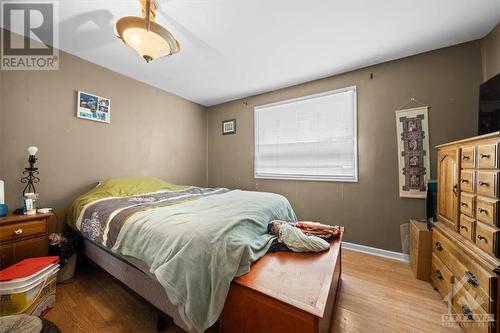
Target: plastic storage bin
(29,286)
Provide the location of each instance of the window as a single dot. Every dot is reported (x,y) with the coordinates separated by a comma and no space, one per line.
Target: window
(312,138)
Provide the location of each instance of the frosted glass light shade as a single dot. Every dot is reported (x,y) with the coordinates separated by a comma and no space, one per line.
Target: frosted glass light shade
(151,44)
(32,150)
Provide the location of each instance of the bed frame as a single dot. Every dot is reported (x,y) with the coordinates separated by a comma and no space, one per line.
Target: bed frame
(136,277)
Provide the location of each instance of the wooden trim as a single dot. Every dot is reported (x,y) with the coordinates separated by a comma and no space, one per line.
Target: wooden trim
(475,138)
(22,218)
(376,251)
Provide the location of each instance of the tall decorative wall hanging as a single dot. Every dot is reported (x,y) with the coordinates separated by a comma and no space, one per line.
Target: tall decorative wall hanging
(413,151)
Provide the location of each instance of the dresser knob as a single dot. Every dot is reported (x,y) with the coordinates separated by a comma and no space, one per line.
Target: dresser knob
(464,204)
(439,274)
(18,232)
(484,155)
(465,180)
(481,237)
(463,227)
(439,247)
(481,210)
(465,157)
(471,279)
(483,183)
(467,312)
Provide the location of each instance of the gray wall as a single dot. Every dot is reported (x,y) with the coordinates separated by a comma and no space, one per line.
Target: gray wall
(2,130)
(152,132)
(490,51)
(159,134)
(371,210)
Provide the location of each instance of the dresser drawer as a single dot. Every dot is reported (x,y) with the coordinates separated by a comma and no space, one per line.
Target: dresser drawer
(475,280)
(442,247)
(487,238)
(488,156)
(487,183)
(471,314)
(22,230)
(462,264)
(441,276)
(12,253)
(467,180)
(467,203)
(468,157)
(467,227)
(487,210)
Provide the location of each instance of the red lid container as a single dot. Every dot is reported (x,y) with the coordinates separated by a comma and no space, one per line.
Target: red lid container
(26,268)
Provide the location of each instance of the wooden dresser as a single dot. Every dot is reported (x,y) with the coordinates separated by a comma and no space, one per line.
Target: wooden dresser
(22,237)
(465,264)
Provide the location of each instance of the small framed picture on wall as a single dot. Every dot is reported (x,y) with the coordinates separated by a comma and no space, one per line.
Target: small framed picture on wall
(93,107)
(229,127)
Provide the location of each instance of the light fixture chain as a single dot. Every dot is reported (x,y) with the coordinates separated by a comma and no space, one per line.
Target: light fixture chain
(148,14)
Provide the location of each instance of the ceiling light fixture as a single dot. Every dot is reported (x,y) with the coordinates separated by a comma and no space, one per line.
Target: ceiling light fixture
(144,35)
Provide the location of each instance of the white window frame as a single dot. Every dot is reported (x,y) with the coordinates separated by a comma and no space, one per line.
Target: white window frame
(335,178)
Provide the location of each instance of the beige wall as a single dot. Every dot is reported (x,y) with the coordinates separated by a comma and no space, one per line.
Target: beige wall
(2,130)
(371,210)
(490,51)
(156,133)
(152,132)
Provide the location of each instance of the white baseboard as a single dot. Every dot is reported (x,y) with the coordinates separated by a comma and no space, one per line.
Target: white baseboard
(376,252)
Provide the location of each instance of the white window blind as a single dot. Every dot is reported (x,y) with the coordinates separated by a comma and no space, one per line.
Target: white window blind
(312,137)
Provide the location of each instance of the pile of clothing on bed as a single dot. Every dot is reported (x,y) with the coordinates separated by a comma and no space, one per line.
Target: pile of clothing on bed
(302,236)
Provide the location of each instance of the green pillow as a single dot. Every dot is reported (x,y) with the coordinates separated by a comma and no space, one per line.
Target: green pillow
(124,187)
(120,187)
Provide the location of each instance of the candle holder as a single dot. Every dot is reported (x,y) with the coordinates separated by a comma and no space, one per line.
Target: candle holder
(31,173)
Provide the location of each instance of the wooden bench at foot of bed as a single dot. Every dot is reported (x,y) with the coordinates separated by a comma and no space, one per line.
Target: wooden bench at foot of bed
(285,292)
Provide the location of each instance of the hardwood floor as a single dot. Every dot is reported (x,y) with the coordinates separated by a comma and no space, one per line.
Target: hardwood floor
(376,295)
(381,295)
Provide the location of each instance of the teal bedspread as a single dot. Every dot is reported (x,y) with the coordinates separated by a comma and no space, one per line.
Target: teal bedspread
(195,248)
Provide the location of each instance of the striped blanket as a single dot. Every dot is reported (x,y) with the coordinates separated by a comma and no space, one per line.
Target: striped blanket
(102,220)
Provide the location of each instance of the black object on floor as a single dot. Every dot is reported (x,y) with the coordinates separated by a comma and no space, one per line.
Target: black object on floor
(49,327)
(163,322)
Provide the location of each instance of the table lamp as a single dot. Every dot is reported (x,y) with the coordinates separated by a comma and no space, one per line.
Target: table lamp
(31,173)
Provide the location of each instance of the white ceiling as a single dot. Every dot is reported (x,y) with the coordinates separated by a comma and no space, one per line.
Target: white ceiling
(237,48)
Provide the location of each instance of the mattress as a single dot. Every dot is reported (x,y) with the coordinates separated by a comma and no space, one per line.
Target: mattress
(139,264)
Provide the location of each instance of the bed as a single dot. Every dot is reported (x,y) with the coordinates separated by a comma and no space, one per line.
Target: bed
(179,247)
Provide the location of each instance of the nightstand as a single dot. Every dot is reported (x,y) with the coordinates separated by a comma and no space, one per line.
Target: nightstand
(22,237)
